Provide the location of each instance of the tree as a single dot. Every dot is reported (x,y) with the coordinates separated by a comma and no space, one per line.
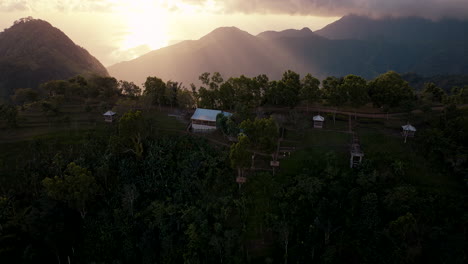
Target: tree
(129,196)
(155,88)
(50,107)
(227,125)
(131,129)
(239,154)
(216,81)
(334,95)
(356,89)
(262,82)
(10,114)
(221,121)
(54,88)
(129,89)
(79,80)
(404,234)
(77,187)
(292,86)
(389,90)
(205,78)
(185,99)
(463,95)
(247,91)
(207,98)
(227,95)
(25,95)
(284,92)
(433,94)
(107,87)
(263,133)
(310,91)
(172,92)
(279,93)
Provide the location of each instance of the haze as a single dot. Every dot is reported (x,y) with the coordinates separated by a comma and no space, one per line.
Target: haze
(120,30)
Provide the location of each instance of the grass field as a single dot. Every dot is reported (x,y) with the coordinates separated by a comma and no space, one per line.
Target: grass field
(72,119)
(377,144)
(378,137)
(380,140)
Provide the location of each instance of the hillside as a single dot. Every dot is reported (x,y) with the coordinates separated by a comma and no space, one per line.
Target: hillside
(32,51)
(230,51)
(352,45)
(396,30)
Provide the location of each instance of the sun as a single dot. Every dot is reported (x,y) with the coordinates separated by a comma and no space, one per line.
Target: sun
(145,25)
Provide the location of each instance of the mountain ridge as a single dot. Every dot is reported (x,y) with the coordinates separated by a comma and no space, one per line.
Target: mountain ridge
(394,29)
(32,51)
(234,52)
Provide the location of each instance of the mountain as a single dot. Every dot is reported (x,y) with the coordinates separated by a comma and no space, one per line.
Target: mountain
(227,50)
(351,45)
(396,30)
(32,51)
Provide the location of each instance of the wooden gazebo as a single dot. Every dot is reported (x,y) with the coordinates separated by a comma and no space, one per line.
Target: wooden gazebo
(408,131)
(318,121)
(109,116)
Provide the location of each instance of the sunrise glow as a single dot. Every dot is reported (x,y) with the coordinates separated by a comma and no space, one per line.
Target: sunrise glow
(121,30)
(146,24)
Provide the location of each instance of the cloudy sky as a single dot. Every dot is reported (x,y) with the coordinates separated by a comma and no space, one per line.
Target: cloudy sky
(117,30)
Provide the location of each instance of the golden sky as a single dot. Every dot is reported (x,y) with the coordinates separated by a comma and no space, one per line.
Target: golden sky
(117,30)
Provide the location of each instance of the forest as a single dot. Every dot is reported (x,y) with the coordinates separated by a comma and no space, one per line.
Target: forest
(136,191)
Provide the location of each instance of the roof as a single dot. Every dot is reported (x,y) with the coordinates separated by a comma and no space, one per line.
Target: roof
(409,128)
(109,113)
(319,118)
(208,114)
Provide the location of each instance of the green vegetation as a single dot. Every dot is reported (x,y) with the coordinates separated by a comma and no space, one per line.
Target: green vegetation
(143,190)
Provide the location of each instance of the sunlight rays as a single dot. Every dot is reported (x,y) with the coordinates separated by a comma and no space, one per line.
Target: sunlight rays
(146,24)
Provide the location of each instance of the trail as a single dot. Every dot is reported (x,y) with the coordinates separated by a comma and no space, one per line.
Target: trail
(379,115)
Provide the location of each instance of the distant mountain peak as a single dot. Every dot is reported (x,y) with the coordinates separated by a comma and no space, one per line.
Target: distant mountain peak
(229,34)
(226,31)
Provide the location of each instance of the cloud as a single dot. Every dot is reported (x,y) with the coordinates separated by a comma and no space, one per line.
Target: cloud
(422,8)
(56,5)
(14,5)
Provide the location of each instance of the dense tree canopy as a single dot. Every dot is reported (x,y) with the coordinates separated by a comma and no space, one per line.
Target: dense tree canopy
(389,90)
(263,133)
(133,192)
(356,90)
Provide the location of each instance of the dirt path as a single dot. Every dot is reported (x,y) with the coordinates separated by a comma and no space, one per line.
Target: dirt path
(357,114)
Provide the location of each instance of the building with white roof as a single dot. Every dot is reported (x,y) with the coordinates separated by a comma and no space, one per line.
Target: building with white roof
(205,119)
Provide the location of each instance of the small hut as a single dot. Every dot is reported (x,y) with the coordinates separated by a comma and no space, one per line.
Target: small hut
(408,131)
(318,121)
(109,116)
(356,153)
